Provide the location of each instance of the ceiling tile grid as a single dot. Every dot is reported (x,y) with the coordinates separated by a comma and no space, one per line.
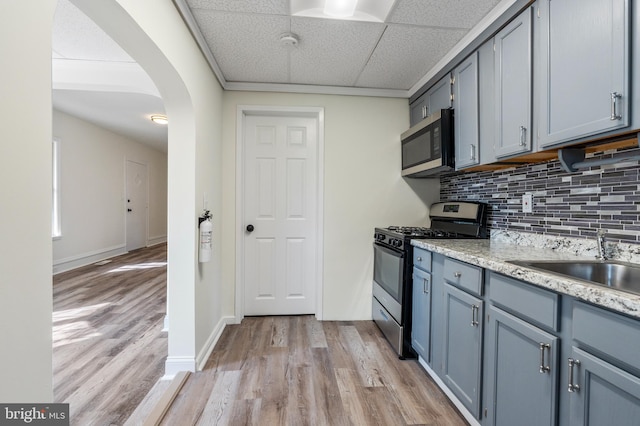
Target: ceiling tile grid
(271,7)
(405,54)
(246,46)
(443,14)
(331,52)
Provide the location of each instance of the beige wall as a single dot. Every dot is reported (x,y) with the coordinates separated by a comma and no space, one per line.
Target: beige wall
(362,189)
(25,202)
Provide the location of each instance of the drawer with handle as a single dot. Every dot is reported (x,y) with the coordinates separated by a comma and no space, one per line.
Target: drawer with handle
(463,275)
(422,259)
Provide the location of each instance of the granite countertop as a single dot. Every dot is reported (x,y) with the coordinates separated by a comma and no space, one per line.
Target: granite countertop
(494,255)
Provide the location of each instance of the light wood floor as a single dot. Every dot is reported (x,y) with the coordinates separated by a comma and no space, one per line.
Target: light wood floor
(298,371)
(108,347)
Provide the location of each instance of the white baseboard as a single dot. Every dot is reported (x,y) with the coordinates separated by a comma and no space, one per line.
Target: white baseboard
(204,354)
(175,364)
(153,241)
(84,259)
(454,399)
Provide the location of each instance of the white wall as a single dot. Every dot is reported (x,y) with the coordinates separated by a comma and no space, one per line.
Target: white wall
(154,34)
(25,202)
(362,189)
(92,185)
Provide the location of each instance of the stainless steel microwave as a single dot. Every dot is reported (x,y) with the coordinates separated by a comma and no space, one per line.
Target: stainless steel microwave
(427,147)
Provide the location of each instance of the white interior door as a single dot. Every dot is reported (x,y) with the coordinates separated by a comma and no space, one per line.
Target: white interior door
(280,215)
(136,205)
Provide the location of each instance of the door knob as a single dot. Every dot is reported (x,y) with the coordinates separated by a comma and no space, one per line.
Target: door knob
(129,210)
(250,228)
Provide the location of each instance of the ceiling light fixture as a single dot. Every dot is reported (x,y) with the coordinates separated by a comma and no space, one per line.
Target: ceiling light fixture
(340,8)
(159,119)
(350,10)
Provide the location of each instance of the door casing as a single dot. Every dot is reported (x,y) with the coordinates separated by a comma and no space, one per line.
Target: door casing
(242,112)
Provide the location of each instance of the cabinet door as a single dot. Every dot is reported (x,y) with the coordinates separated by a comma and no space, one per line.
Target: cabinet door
(462,351)
(605,394)
(421,313)
(487,105)
(513,86)
(418,110)
(583,64)
(467,119)
(439,96)
(522,372)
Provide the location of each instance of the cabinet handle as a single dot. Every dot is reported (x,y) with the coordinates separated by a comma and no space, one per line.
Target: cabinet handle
(614,106)
(419,259)
(457,274)
(473,153)
(544,368)
(572,386)
(523,136)
(474,315)
(426,286)
(424,111)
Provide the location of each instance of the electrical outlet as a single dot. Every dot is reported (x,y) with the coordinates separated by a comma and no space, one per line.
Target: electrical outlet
(527,202)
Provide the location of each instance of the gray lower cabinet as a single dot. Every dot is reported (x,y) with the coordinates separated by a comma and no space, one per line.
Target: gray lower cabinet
(601,394)
(421,313)
(513,86)
(582,75)
(522,372)
(462,349)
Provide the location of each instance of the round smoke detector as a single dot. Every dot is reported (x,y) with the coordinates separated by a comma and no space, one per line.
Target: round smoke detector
(289,40)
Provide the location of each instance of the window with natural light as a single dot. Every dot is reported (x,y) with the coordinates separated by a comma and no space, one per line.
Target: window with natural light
(56,231)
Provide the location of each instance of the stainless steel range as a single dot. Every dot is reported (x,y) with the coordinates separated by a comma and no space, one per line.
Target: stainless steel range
(393,263)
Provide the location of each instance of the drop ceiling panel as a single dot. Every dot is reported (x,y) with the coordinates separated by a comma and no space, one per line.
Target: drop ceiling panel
(439,13)
(75,36)
(246,46)
(277,7)
(405,53)
(331,52)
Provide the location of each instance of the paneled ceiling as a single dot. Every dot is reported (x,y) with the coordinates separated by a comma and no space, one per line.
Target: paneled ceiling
(94,79)
(243,38)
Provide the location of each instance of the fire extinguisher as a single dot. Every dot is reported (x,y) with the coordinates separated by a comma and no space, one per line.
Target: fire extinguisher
(206,229)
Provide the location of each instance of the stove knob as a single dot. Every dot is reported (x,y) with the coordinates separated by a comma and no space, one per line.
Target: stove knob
(380,237)
(396,243)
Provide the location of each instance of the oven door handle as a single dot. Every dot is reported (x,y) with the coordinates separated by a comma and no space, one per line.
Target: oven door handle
(397,254)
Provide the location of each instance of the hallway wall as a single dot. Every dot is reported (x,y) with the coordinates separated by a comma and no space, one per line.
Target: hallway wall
(92,181)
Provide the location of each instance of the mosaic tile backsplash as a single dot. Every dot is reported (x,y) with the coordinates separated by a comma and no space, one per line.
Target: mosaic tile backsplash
(564,204)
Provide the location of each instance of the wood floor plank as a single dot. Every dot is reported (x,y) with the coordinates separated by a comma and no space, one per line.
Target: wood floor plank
(108,344)
(269,371)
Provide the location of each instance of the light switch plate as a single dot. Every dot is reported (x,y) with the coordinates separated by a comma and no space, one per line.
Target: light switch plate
(527,202)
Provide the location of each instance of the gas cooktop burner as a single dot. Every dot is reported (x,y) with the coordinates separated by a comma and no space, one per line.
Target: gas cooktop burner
(422,232)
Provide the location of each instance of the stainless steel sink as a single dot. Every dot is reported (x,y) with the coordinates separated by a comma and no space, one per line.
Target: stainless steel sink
(619,275)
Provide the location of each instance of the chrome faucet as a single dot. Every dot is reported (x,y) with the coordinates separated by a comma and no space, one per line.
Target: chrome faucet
(602,253)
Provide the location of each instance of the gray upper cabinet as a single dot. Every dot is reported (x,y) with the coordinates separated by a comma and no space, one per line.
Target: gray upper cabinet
(439,96)
(513,81)
(436,98)
(418,110)
(487,105)
(467,112)
(582,68)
